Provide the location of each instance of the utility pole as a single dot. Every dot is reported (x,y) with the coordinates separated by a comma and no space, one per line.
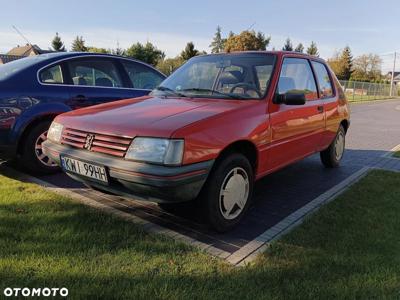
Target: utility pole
(392,80)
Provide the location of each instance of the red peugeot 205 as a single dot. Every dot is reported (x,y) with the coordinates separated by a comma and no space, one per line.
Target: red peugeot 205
(210,130)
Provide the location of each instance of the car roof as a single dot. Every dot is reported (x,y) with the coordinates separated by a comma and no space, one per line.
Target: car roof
(278,53)
(39,61)
(63,55)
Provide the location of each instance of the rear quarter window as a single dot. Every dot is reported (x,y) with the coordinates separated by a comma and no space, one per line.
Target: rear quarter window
(323,79)
(51,75)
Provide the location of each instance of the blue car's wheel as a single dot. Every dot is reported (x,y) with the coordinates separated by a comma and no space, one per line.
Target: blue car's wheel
(33,158)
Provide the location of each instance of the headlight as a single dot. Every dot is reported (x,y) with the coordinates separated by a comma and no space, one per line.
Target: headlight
(156,150)
(55,132)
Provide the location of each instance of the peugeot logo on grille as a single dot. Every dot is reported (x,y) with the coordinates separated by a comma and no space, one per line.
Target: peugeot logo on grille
(89,141)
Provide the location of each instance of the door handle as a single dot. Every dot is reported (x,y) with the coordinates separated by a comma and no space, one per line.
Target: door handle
(320,108)
(80,98)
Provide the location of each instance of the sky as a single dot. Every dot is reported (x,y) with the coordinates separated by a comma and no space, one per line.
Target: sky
(366,26)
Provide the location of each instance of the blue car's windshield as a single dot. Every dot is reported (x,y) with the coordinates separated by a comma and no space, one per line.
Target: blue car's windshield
(16,66)
(225,76)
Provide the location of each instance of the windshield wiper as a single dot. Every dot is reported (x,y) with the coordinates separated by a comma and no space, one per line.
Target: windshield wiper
(171,91)
(231,96)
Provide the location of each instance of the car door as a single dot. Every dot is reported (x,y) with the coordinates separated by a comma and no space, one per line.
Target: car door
(296,130)
(94,80)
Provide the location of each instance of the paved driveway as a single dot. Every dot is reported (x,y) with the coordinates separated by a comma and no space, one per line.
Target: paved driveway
(375,129)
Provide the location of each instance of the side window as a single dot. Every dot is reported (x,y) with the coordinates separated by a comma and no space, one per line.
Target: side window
(141,76)
(94,72)
(297,77)
(324,81)
(52,75)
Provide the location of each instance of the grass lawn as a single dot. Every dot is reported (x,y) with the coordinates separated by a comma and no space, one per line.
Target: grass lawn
(348,249)
(397,154)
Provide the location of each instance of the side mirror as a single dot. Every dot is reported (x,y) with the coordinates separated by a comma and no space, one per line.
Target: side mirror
(291,99)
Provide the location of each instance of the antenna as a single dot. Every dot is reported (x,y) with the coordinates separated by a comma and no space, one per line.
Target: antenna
(252,25)
(20,33)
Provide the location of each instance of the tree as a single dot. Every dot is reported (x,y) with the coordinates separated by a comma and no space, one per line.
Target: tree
(118,51)
(218,43)
(98,50)
(169,65)
(342,64)
(313,50)
(147,53)
(299,48)
(247,40)
(57,44)
(78,45)
(367,67)
(336,64)
(189,51)
(347,59)
(288,45)
(263,41)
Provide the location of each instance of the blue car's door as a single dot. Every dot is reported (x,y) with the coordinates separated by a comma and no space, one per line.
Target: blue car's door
(95,80)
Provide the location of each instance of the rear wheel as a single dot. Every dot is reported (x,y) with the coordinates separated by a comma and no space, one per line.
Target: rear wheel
(33,158)
(332,156)
(226,195)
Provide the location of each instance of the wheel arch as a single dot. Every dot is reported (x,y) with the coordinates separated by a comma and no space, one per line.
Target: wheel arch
(245,147)
(32,124)
(345,123)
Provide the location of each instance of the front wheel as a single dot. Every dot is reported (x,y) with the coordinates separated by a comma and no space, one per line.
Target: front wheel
(226,195)
(33,158)
(332,156)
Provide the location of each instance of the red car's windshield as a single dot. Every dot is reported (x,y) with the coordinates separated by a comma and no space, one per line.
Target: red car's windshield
(225,76)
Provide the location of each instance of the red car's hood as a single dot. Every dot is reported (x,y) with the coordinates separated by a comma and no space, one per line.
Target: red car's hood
(146,116)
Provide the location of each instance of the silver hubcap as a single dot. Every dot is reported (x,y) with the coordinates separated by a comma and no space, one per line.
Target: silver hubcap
(339,146)
(39,152)
(234,193)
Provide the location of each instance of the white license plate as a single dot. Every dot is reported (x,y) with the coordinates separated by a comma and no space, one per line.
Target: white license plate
(84,168)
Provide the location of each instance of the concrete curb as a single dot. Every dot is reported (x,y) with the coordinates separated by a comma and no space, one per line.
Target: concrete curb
(389,154)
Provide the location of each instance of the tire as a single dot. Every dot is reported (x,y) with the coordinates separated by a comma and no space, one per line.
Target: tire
(332,156)
(32,158)
(226,195)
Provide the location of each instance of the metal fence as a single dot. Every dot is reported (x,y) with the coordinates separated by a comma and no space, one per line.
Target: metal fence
(364,91)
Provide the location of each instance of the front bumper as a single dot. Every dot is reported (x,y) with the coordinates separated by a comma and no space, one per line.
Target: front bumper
(150,182)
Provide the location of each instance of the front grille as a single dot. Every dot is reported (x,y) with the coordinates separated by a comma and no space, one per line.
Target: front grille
(103,143)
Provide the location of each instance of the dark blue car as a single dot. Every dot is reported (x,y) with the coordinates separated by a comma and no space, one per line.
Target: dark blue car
(34,90)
